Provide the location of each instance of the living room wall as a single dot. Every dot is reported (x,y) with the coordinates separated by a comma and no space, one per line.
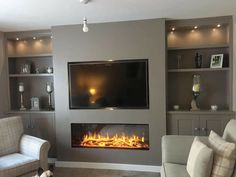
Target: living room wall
(116,41)
(234,64)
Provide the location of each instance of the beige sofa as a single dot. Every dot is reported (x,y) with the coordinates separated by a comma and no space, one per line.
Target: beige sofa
(20,155)
(175,151)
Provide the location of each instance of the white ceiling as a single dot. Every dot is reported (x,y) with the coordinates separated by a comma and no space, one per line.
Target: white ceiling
(16,15)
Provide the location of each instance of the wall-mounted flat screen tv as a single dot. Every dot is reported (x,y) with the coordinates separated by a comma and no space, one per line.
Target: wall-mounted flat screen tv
(121,84)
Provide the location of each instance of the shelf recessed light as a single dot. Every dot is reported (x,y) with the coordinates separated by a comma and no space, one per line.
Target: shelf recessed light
(34,38)
(51,37)
(214,29)
(40,40)
(173,29)
(195,27)
(192,31)
(17,39)
(219,25)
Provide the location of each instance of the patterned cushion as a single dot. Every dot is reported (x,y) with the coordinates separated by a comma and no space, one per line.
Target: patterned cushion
(200,159)
(17,164)
(224,156)
(11,130)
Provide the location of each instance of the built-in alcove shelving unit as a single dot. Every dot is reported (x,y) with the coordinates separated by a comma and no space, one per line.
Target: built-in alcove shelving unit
(206,37)
(35,49)
(185,38)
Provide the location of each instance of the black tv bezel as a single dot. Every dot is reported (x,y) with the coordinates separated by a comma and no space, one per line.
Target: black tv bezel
(104,62)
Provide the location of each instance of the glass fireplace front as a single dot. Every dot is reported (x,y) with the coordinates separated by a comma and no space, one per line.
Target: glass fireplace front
(120,136)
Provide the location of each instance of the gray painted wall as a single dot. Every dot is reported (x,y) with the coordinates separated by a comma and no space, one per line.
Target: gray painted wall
(3,78)
(122,40)
(234,63)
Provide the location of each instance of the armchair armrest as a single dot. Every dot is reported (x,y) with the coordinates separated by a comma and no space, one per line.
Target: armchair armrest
(36,148)
(175,149)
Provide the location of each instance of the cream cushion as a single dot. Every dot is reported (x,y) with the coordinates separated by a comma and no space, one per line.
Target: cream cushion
(224,156)
(200,159)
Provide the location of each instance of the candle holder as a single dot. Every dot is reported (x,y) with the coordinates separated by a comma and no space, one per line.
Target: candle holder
(21,90)
(49,90)
(196,92)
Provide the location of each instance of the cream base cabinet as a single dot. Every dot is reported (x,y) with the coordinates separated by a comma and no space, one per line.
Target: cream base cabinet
(216,123)
(197,124)
(182,124)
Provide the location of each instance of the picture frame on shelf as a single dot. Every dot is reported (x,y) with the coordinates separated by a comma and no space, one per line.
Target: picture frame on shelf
(34,104)
(217,61)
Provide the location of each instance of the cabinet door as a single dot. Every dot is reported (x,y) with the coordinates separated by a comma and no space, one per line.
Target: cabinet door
(216,123)
(43,126)
(183,124)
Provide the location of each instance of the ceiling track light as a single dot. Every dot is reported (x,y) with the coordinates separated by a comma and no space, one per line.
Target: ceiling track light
(84,1)
(85,26)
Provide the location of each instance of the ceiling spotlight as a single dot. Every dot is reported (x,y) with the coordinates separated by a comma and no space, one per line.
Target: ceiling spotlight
(173,28)
(219,25)
(84,1)
(214,29)
(17,39)
(85,26)
(51,37)
(195,27)
(34,38)
(192,31)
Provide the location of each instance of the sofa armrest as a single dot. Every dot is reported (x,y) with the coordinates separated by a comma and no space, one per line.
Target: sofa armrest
(36,148)
(175,149)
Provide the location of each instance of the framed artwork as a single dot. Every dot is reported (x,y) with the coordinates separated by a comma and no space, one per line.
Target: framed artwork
(217,61)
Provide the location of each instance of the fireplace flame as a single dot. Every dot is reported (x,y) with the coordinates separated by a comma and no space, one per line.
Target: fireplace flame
(116,141)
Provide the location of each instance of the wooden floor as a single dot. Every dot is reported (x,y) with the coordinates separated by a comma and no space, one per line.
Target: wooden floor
(78,172)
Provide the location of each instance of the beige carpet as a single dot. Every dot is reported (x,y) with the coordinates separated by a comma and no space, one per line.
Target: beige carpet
(78,172)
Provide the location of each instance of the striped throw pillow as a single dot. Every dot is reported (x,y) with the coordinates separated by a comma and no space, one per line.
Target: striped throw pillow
(224,156)
(199,160)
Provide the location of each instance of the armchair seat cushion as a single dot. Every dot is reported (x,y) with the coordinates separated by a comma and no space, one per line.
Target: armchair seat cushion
(16,164)
(174,170)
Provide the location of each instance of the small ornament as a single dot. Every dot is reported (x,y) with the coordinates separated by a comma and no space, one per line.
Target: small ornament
(49,90)
(198,60)
(196,92)
(21,90)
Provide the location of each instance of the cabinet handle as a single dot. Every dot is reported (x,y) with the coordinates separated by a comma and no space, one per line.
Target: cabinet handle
(204,129)
(196,129)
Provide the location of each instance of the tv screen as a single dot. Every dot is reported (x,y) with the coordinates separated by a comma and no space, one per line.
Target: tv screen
(109,84)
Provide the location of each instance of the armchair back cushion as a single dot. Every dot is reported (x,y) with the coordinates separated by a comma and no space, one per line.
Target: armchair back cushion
(229,132)
(230,135)
(11,130)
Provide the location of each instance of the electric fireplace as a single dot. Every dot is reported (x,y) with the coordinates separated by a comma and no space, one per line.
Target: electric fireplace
(116,136)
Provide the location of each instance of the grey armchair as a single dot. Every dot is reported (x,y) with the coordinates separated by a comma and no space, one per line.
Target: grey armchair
(20,154)
(175,151)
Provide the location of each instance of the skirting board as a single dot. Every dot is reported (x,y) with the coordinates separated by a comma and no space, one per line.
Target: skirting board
(52,160)
(109,166)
